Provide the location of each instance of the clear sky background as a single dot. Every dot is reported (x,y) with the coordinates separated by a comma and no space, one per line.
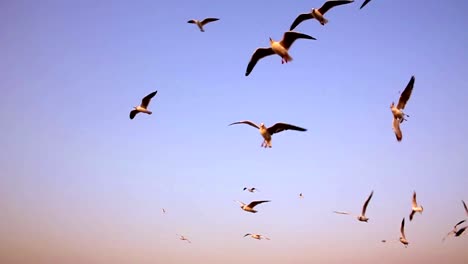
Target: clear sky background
(82,183)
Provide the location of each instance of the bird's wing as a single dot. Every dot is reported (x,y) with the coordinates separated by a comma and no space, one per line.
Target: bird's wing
(254,203)
(343,213)
(248,234)
(299,20)
(208,20)
(396,129)
(247,122)
(329,4)
(460,231)
(278,127)
(459,223)
(449,233)
(290,36)
(241,203)
(192,21)
(364,4)
(145,101)
(411,215)
(406,94)
(402,228)
(256,56)
(133,113)
(265,237)
(414,203)
(466,208)
(364,207)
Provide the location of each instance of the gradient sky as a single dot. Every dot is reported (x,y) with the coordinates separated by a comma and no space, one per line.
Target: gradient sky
(82,183)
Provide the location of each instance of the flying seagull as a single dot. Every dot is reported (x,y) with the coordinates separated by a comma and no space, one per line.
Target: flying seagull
(402,231)
(142,108)
(203,22)
(319,13)
(280,48)
(365,3)
(361,217)
(249,207)
(256,236)
(466,208)
(415,207)
(397,111)
(184,238)
(454,230)
(460,231)
(268,132)
(253,189)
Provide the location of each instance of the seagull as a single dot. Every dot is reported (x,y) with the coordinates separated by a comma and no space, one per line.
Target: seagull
(364,4)
(319,13)
(142,108)
(460,231)
(402,231)
(249,207)
(257,236)
(397,111)
(253,189)
(268,132)
(361,217)
(280,48)
(454,230)
(164,211)
(466,208)
(415,208)
(203,22)
(184,238)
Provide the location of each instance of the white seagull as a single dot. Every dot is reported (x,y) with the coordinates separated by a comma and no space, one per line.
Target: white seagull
(364,4)
(318,13)
(454,230)
(203,22)
(184,238)
(257,236)
(281,48)
(268,132)
(402,231)
(253,189)
(397,111)
(415,207)
(361,217)
(249,207)
(142,108)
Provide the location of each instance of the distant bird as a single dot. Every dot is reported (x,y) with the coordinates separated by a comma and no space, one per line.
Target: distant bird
(466,208)
(415,207)
(397,111)
(364,4)
(319,13)
(184,238)
(268,132)
(142,108)
(164,211)
(361,217)
(460,231)
(253,189)
(249,207)
(402,231)
(281,48)
(454,230)
(301,196)
(203,22)
(256,236)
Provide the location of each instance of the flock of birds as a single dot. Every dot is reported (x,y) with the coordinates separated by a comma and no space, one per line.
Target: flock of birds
(281,48)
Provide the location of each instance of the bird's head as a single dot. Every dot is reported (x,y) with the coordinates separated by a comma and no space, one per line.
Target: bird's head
(422,209)
(271,40)
(262,125)
(392,105)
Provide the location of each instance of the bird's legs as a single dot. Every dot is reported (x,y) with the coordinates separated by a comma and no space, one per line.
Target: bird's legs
(284,60)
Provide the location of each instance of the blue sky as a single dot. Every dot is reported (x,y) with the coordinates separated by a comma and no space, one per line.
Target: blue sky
(82,183)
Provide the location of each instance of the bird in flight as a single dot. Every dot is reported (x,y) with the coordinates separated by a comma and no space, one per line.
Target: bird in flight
(402,236)
(454,230)
(397,111)
(362,217)
(466,208)
(184,238)
(257,236)
(365,3)
(268,132)
(249,207)
(253,189)
(163,210)
(143,107)
(203,22)
(318,13)
(281,48)
(415,207)
(301,196)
